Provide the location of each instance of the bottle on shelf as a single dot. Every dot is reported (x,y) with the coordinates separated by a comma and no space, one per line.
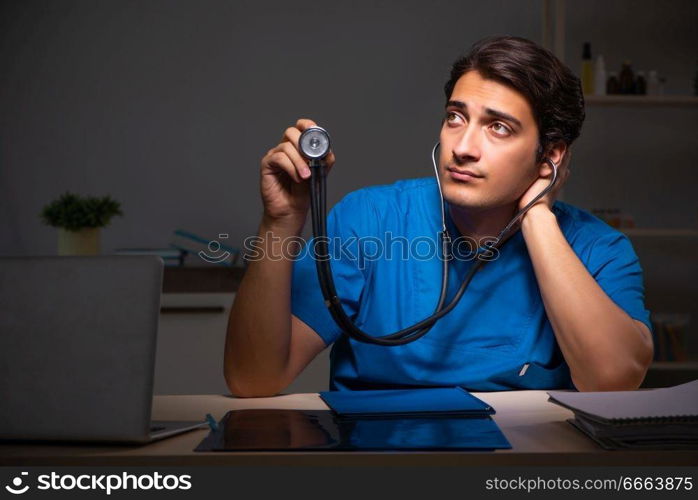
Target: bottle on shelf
(652,83)
(612,85)
(600,76)
(626,79)
(662,84)
(640,83)
(587,70)
(627,221)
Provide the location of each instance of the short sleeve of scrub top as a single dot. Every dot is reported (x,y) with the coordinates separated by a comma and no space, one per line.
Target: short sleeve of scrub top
(616,268)
(347,220)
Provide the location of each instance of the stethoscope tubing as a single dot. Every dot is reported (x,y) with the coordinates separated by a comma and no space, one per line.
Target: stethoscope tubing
(318,210)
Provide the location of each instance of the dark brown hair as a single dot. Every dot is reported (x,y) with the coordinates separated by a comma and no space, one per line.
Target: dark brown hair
(552,90)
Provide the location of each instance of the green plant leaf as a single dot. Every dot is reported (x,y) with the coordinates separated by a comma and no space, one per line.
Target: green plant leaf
(74,212)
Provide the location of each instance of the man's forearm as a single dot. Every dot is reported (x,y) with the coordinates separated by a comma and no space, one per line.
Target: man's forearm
(259,328)
(602,344)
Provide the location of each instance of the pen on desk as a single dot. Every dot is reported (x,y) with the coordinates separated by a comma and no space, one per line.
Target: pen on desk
(212,422)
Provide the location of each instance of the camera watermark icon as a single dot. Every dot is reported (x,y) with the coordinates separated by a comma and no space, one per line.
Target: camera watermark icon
(214,247)
(16,488)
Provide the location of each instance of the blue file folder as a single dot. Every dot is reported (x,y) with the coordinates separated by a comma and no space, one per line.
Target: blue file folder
(428,401)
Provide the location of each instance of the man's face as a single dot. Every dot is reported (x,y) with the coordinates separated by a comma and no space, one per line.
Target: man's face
(490,131)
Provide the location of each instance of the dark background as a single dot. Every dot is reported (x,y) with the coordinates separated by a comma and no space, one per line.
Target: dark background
(169,105)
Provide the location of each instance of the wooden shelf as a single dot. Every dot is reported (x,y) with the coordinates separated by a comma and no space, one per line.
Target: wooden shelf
(201,279)
(670,373)
(649,232)
(674,365)
(641,100)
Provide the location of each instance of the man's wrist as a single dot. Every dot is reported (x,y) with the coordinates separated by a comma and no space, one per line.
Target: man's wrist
(539,213)
(276,241)
(281,227)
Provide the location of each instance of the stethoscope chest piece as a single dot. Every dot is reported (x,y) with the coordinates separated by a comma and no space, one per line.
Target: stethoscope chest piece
(315,144)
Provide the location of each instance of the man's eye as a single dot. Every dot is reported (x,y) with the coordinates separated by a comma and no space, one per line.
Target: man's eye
(503,129)
(451,116)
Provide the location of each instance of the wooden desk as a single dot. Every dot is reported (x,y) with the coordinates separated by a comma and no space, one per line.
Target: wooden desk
(536,429)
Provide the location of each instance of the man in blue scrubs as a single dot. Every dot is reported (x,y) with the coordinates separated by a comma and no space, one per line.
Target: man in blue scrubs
(560,306)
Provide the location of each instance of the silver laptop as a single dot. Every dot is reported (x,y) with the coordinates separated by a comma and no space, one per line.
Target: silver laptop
(77,349)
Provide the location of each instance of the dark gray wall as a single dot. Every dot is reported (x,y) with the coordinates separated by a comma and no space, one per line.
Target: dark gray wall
(169,105)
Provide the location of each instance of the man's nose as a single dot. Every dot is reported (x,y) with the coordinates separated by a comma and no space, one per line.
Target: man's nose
(467,147)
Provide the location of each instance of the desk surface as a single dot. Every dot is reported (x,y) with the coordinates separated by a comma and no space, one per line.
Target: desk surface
(536,429)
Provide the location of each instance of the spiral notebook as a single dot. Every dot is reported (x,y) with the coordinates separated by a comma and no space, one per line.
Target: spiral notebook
(665,418)
(668,404)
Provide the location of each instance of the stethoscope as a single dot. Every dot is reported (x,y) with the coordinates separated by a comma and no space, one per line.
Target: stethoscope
(314,145)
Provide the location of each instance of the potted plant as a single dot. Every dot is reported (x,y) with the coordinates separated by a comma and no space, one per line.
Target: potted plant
(79,219)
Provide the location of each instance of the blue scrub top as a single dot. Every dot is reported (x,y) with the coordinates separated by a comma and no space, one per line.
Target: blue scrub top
(498,337)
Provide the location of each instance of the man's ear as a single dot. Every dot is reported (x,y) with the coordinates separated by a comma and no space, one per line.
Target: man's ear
(556,152)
